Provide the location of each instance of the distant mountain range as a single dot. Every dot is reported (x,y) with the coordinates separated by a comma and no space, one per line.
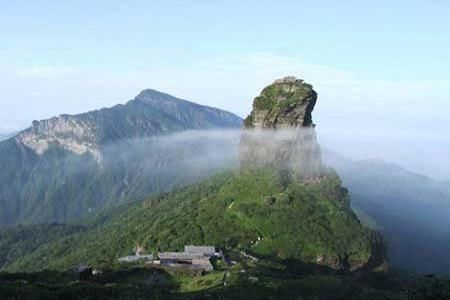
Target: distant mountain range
(63,168)
(411,210)
(5,136)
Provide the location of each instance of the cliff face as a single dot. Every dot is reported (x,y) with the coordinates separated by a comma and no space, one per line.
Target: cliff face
(67,132)
(280,131)
(287,103)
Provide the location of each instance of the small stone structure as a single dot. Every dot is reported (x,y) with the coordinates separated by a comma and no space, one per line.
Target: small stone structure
(209,251)
(197,258)
(134,258)
(138,255)
(193,258)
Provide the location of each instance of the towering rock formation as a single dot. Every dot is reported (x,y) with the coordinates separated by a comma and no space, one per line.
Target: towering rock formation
(280,136)
(280,131)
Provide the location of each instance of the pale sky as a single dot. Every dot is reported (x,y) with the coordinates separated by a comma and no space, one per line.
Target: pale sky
(381,68)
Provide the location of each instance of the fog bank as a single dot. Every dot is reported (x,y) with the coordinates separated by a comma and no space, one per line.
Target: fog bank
(424,152)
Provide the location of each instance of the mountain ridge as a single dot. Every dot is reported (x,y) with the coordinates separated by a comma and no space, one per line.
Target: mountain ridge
(62,168)
(85,132)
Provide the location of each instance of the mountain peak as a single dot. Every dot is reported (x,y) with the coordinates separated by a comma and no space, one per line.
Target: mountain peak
(288,79)
(163,101)
(286,103)
(288,141)
(153,94)
(161,113)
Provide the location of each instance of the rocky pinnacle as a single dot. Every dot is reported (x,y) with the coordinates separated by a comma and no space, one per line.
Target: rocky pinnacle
(279,132)
(287,103)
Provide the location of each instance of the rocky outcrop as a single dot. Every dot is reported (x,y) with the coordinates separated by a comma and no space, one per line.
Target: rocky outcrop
(287,103)
(70,133)
(280,131)
(280,136)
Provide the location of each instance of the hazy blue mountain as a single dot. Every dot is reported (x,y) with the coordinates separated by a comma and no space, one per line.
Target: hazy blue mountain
(411,210)
(5,136)
(65,167)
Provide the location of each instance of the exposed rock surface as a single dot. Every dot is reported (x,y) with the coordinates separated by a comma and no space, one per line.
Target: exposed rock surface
(150,113)
(280,131)
(287,103)
(280,135)
(70,133)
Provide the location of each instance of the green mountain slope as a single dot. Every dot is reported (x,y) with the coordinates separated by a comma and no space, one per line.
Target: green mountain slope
(205,213)
(308,224)
(296,224)
(65,168)
(22,240)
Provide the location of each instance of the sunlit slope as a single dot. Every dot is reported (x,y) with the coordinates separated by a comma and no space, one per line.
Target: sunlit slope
(251,211)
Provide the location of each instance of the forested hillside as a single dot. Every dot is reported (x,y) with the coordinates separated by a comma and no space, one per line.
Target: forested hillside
(68,167)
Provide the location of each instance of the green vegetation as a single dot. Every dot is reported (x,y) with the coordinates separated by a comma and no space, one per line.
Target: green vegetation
(124,284)
(248,122)
(310,224)
(282,95)
(22,240)
(60,186)
(288,227)
(246,279)
(284,239)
